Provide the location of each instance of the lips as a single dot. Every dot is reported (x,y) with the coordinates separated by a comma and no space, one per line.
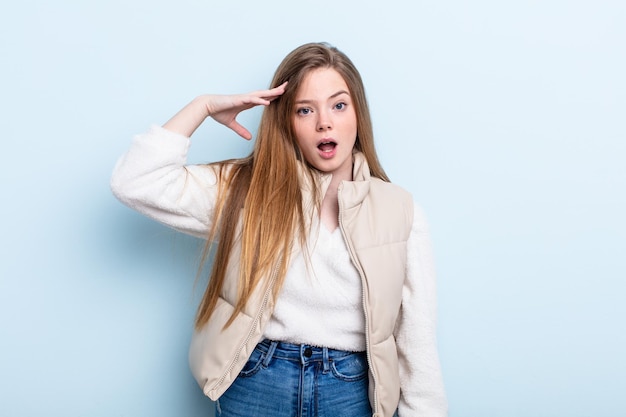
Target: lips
(327,145)
(327,148)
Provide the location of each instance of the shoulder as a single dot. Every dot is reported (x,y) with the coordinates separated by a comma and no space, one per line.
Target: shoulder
(391,196)
(391,190)
(400,202)
(398,195)
(393,203)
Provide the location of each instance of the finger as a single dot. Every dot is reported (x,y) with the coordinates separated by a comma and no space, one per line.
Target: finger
(277,91)
(272,93)
(240,130)
(252,101)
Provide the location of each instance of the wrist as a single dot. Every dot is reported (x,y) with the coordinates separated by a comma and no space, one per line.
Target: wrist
(187,120)
(202,105)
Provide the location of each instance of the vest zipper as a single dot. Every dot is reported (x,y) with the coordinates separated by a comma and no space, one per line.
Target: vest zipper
(365,309)
(254,323)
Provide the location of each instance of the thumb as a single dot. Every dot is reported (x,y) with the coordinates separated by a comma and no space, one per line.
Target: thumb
(240,130)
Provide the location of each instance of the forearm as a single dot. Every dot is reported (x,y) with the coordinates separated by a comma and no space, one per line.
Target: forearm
(153,177)
(222,108)
(190,117)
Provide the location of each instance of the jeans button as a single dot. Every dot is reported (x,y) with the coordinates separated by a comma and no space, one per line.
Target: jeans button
(308,352)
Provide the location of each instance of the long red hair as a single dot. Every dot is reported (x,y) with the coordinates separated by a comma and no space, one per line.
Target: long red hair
(263,190)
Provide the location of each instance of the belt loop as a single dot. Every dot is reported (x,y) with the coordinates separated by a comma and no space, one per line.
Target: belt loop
(325,360)
(270,353)
(303,357)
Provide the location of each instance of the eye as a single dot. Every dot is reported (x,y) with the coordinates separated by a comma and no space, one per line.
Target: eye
(303,111)
(340,106)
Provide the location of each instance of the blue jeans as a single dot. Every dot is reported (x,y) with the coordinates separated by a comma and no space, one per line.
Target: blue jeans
(287,380)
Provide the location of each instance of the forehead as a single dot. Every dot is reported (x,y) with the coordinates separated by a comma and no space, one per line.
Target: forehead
(321,83)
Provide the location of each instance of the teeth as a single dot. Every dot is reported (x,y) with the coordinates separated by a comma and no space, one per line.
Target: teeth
(327,146)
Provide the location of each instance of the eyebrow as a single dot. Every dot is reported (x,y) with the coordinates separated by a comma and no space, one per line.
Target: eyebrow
(338,93)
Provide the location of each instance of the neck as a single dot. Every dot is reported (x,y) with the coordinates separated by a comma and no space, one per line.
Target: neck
(329,211)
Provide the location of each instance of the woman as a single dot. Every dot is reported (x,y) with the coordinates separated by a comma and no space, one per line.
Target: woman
(321,297)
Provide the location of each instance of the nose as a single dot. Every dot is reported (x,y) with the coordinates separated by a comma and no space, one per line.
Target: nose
(323,122)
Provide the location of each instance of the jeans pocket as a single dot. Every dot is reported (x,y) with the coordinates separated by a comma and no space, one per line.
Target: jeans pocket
(253,364)
(350,368)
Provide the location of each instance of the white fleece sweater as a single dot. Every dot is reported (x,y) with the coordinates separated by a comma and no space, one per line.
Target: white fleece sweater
(154,172)
(320,303)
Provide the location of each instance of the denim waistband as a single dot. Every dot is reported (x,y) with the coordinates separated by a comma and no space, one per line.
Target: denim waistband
(302,353)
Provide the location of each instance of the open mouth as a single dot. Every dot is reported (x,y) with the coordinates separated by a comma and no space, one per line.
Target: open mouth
(327,146)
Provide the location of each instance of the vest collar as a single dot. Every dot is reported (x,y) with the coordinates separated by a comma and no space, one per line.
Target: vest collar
(353,192)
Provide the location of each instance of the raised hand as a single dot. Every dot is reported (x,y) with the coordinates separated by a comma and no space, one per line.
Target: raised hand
(223,109)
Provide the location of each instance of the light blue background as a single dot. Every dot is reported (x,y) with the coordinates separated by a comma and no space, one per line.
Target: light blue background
(505,119)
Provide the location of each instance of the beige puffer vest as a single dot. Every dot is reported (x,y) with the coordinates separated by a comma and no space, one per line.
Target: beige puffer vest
(375,219)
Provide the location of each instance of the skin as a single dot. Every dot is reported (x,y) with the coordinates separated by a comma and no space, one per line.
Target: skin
(223,109)
(324,113)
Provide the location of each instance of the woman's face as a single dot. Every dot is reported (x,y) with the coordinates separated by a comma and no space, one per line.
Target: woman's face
(325,123)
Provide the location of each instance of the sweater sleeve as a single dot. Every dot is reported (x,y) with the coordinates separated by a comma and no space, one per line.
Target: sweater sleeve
(152,177)
(422,391)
